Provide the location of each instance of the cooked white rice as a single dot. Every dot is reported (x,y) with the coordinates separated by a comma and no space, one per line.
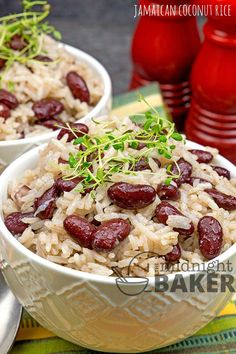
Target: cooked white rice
(35,81)
(49,239)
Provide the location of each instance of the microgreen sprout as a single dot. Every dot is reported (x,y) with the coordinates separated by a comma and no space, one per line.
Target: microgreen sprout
(30,26)
(157,133)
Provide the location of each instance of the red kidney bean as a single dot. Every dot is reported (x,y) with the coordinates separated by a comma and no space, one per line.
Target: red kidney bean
(168,192)
(164,210)
(51,123)
(185,170)
(46,204)
(142,165)
(78,86)
(80,229)
(4,111)
(158,162)
(192,179)
(86,191)
(2,63)
(79,129)
(91,158)
(210,237)
(224,201)
(95,222)
(109,234)
(60,160)
(141,146)
(174,255)
(222,171)
(131,196)
(67,185)
(8,99)
(202,156)
(47,108)
(43,58)
(17,42)
(15,224)
(83,148)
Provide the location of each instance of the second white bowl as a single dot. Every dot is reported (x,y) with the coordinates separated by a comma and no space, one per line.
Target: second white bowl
(11,149)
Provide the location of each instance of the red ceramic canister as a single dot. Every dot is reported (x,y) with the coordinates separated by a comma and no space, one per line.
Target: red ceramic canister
(164,47)
(212,117)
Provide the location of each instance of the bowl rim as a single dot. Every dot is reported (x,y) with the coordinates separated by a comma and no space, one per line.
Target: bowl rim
(7,175)
(105,77)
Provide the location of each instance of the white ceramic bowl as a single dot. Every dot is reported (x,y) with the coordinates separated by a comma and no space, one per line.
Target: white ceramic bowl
(90,310)
(11,149)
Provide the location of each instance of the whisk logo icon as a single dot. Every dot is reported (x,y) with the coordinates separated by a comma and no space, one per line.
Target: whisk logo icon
(129,285)
(209,277)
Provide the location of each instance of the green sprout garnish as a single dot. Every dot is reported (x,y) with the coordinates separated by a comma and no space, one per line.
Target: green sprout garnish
(156,133)
(30,26)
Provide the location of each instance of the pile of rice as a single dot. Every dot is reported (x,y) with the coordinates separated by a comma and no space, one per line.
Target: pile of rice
(35,81)
(49,239)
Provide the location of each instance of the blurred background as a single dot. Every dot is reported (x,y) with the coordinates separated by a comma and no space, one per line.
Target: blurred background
(102,28)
